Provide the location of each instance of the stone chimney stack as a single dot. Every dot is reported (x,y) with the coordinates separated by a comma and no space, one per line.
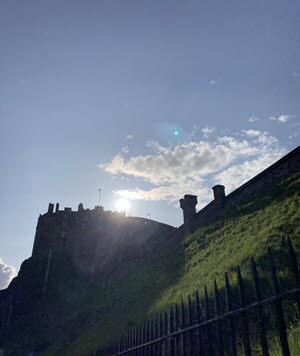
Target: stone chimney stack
(56,207)
(188,205)
(50,208)
(219,195)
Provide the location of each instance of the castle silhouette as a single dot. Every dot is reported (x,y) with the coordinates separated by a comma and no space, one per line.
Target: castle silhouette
(99,242)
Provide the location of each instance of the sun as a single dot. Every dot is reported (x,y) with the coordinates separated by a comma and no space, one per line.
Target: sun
(122,204)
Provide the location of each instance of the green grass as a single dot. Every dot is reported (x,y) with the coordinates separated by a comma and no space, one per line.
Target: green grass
(293,339)
(293,334)
(178,270)
(85,316)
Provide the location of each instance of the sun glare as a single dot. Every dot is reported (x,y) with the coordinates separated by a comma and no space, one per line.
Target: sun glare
(122,204)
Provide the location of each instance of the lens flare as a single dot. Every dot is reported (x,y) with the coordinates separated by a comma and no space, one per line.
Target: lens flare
(122,204)
(176,133)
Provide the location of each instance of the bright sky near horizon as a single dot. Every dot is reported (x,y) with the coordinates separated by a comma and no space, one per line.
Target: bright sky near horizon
(147,100)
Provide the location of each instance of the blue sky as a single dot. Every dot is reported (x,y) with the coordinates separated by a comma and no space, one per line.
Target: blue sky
(92,92)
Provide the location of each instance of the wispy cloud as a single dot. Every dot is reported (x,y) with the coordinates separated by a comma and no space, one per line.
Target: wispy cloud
(207,131)
(129,137)
(253,119)
(125,149)
(293,135)
(194,167)
(282,118)
(7,273)
(252,133)
(212,82)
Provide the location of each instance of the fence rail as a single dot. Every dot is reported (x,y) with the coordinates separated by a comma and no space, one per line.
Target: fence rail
(187,332)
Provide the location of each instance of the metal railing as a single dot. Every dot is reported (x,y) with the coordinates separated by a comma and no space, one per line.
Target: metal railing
(186,331)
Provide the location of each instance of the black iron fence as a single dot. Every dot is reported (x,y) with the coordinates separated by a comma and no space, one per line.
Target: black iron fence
(191,330)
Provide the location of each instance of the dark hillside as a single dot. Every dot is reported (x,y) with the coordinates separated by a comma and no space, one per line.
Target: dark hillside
(74,317)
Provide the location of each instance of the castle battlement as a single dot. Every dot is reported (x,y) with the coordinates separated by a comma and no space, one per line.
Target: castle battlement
(90,236)
(67,210)
(54,227)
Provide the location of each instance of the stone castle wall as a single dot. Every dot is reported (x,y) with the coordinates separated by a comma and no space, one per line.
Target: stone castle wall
(100,242)
(262,183)
(97,241)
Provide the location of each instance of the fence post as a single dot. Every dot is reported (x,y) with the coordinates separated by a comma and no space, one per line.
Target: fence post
(199,331)
(156,336)
(207,317)
(160,346)
(231,322)
(127,343)
(263,335)
(218,324)
(148,338)
(131,341)
(166,333)
(171,330)
(278,306)
(140,350)
(190,323)
(143,351)
(244,322)
(295,267)
(119,346)
(183,325)
(135,340)
(176,325)
(152,337)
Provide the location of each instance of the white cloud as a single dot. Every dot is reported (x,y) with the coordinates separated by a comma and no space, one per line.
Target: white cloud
(293,135)
(253,119)
(282,118)
(295,74)
(212,82)
(236,175)
(7,273)
(132,194)
(252,133)
(172,193)
(125,149)
(194,167)
(129,137)
(207,130)
(184,161)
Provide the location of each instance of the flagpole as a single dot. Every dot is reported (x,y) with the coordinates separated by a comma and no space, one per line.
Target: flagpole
(99,190)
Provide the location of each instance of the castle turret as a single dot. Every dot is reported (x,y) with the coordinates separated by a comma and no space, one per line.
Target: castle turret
(50,208)
(219,195)
(188,205)
(57,207)
(80,207)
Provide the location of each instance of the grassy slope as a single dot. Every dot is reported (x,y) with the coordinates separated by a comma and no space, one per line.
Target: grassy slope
(177,270)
